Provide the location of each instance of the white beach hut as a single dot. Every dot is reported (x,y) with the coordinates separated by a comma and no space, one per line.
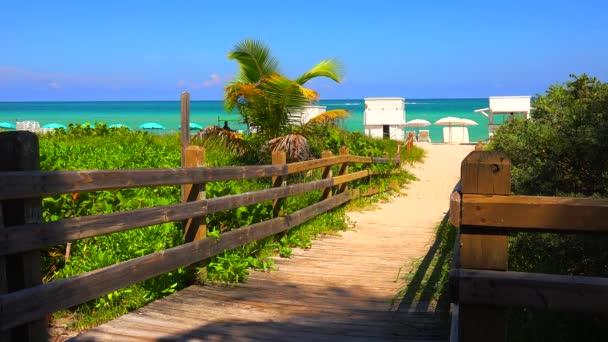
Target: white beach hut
(384,117)
(301,117)
(501,105)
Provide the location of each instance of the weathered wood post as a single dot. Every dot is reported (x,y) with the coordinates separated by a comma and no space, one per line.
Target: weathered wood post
(195,227)
(327,174)
(185,122)
(278,157)
(410,145)
(19,152)
(185,130)
(485,173)
(343,169)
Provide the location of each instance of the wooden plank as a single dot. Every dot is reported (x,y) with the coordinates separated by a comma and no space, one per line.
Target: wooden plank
(372,190)
(278,158)
(351,177)
(30,304)
(484,173)
(385,160)
(360,159)
(19,151)
(343,169)
(315,164)
(534,290)
(455,202)
(327,174)
(185,123)
(536,212)
(487,172)
(32,236)
(195,227)
(28,184)
(454,318)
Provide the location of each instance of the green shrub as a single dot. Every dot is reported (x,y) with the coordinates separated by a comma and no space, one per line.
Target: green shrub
(561,151)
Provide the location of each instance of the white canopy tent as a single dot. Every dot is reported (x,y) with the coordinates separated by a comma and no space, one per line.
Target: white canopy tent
(501,105)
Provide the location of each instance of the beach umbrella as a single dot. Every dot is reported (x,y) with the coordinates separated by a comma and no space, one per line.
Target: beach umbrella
(7,125)
(467,122)
(119,126)
(417,123)
(449,121)
(193,126)
(55,125)
(151,125)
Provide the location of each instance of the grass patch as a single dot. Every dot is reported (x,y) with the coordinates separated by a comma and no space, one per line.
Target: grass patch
(427,281)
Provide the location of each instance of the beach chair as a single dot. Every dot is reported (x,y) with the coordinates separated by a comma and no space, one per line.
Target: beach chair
(424,136)
(411,135)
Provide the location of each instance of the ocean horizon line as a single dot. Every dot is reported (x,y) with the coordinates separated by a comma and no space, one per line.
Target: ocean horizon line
(221,100)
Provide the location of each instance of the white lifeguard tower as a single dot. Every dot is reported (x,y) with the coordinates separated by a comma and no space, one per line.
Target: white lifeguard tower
(511,105)
(384,117)
(301,117)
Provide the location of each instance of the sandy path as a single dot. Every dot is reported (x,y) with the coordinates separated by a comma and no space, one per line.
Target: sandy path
(427,199)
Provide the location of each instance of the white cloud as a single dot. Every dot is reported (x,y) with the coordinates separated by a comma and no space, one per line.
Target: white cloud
(214,80)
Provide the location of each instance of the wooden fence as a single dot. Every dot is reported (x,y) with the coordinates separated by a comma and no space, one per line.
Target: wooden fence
(25,301)
(485,212)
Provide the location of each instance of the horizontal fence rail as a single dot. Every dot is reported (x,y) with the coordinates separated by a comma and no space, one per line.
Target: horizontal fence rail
(26,305)
(33,236)
(32,184)
(484,211)
(33,301)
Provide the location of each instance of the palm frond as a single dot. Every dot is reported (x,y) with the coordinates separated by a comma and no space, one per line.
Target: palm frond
(330,68)
(284,92)
(255,60)
(213,136)
(329,117)
(295,146)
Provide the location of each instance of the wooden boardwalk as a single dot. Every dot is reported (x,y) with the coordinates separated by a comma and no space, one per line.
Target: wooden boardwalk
(339,290)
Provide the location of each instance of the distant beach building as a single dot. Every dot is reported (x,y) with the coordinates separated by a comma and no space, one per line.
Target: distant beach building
(384,117)
(308,113)
(504,105)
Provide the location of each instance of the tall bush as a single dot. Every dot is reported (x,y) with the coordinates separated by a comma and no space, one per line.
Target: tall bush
(563,149)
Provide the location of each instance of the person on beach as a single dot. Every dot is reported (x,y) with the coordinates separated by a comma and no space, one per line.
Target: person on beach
(226,127)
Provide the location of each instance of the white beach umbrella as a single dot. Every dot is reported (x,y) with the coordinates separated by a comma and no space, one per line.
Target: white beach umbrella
(417,123)
(449,121)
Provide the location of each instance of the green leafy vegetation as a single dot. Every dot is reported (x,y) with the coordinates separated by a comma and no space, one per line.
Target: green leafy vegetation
(427,281)
(561,151)
(81,148)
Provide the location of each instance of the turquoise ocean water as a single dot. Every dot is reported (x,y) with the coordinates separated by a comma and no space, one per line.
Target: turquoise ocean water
(167,113)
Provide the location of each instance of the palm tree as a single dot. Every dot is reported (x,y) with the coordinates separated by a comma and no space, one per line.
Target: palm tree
(265,98)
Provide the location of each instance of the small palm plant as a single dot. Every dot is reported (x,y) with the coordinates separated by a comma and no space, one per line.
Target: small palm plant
(265,98)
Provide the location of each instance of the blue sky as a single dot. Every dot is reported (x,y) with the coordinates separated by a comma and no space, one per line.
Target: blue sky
(152,50)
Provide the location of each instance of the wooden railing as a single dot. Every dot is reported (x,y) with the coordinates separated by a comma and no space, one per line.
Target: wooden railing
(485,212)
(25,301)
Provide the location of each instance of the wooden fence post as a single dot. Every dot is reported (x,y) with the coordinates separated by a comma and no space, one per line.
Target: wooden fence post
(278,157)
(19,152)
(343,169)
(195,227)
(327,174)
(185,122)
(486,173)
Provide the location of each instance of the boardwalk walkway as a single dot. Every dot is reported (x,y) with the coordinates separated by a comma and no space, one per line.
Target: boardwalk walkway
(339,290)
